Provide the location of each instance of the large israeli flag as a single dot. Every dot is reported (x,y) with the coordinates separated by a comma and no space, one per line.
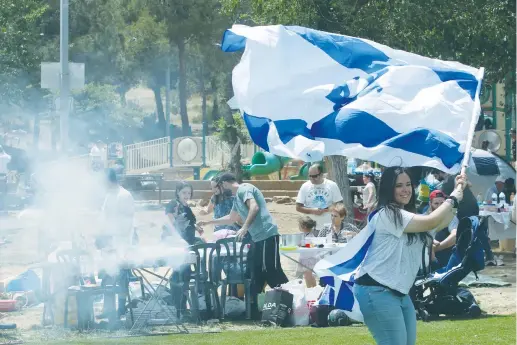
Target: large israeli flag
(306,94)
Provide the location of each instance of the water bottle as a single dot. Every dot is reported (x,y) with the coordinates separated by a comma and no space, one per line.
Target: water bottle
(494,199)
(329,238)
(479,199)
(351,166)
(502,199)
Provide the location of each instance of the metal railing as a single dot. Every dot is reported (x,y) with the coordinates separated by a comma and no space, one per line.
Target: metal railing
(147,155)
(154,154)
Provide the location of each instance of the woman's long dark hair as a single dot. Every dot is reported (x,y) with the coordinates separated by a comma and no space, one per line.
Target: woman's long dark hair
(182,185)
(386,199)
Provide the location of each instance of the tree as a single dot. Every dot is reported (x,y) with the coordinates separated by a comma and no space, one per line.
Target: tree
(20,57)
(185,20)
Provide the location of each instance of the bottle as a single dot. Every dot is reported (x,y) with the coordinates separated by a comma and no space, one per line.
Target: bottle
(494,199)
(329,238)
(352,166)
(502,199)
(479,199)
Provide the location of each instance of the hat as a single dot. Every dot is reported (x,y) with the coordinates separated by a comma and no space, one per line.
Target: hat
(437,194)
(370,174)
(500,179)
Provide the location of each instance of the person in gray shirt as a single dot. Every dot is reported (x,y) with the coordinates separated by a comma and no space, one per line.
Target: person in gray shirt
(249,208)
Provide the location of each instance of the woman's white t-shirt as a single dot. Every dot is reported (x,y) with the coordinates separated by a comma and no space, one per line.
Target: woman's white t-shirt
(390,260)
(369,195)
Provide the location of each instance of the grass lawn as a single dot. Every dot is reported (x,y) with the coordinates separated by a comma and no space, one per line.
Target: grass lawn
(493,330)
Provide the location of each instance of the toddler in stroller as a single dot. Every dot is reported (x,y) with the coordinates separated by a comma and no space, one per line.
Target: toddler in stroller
(438,292)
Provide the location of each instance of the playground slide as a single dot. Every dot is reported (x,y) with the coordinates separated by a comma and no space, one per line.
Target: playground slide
(265,163)
(210,175)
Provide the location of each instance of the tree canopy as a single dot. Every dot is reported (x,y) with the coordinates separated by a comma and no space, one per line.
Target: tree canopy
(126,43)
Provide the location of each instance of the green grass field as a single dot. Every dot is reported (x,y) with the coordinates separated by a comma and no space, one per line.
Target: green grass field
(494,330)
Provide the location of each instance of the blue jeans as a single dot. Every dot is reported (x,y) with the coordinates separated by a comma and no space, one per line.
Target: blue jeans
(391,319)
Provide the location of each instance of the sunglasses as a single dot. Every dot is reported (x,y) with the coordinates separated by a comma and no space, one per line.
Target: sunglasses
(315,176)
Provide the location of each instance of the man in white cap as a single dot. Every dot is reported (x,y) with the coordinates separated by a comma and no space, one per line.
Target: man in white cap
(497,188)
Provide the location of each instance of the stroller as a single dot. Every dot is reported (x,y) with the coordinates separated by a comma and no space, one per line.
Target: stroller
(438,292)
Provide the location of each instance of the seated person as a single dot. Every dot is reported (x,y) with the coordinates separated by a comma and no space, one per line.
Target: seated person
(180,215)
(496,189)
(341,231)
(444,239)
(307,225)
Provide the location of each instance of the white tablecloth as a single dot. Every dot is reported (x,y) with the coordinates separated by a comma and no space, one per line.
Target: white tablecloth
(305,253)
(499,225)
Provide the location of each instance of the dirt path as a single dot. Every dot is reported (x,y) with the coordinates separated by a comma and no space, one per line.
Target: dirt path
(21,252)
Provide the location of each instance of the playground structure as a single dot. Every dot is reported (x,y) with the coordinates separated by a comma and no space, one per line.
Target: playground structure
(204,157)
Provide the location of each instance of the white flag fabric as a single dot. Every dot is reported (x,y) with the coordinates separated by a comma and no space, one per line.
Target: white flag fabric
(338,271)
(307,94)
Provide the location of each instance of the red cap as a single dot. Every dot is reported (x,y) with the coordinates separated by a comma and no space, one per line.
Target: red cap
(437,194)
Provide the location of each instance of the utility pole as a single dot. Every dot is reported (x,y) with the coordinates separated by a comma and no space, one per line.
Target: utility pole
(64,95)
(167,99)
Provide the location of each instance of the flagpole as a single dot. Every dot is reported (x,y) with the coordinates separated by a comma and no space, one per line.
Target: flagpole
(473,122)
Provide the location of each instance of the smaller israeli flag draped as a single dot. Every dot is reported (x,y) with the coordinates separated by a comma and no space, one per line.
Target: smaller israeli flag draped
(338,271)
(306,94)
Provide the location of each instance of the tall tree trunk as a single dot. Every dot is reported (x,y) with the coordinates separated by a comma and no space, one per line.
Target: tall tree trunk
(159,109)
(182,87)
(234,142)
(202,90)
(215,100)
(338,173)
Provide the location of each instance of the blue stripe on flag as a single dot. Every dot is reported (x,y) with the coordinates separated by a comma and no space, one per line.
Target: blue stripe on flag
(348,51)
(466,81)
(232,42)
(345,297)
(352,52)
(351,265)
(352,126)
(258,127)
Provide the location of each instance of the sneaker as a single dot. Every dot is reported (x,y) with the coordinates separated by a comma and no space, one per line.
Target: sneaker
(474,310)
(499,260)
(490,263)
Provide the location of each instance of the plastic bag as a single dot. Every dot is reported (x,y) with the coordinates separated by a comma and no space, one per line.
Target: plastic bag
(234,307)
(300,314)
(312,295)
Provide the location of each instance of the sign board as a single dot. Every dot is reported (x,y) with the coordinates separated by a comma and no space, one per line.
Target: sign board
(51,75)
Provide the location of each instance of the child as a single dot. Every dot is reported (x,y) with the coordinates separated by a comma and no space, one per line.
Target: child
(307,226)
(180,215)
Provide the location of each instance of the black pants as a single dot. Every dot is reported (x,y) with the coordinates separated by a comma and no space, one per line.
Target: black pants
(266,267)
(483,233)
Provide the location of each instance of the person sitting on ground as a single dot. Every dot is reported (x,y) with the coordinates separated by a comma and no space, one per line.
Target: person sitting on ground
(444,239)
(221,204)
(341,231)
(180,215)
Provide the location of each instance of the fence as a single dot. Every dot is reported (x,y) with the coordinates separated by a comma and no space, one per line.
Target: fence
(154,154)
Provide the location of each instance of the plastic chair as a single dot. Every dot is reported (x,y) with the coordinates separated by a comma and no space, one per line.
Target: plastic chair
(234,265)
(205,278)
(83,296)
